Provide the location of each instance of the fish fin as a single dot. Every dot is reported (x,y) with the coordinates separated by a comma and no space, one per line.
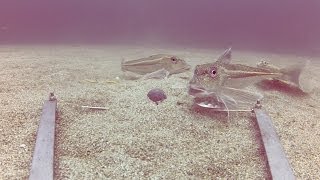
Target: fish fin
(226,107)
(229,101)
(243,98)
(292,73)
(225,58)
(229,104)
(127,75)
(159,74)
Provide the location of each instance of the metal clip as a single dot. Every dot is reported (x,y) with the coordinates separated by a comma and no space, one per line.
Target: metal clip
(52,97)
(258,104)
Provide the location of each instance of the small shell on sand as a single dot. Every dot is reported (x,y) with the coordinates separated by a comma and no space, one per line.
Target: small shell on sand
(156,95)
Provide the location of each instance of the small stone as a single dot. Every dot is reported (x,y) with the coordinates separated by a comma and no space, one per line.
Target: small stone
(156,95)
(23,146)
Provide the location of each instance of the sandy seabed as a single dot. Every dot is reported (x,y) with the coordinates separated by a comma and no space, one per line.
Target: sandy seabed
(134,138)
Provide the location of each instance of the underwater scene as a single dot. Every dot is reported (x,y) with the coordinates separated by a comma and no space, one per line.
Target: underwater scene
(159,89)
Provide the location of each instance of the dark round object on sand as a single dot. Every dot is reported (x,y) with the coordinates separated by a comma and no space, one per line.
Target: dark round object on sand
(156,95)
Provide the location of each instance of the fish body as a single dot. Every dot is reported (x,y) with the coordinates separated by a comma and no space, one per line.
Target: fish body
(213,76)
(171,63)
(221,84)
(220,81)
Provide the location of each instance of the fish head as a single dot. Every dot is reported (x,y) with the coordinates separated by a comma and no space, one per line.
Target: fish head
(208,76)
(263,64)
(174,64)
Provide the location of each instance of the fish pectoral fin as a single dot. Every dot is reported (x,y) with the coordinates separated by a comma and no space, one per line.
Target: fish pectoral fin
(159,74)
(128,75)
(241,96)
(228,101)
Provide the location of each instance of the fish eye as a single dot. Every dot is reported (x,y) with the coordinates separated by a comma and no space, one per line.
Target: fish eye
(264,63)
(173,59)
(213,72)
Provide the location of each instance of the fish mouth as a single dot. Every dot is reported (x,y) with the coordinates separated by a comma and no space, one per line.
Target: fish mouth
(188,67)
(196,89)
(185,68)
(204,98)
(181,70)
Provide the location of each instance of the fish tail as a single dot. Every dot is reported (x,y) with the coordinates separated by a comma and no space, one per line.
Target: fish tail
(292,74)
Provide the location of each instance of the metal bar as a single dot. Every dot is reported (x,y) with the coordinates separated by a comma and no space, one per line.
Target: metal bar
(241,110)
(279,165)
(95,108)
(43,155)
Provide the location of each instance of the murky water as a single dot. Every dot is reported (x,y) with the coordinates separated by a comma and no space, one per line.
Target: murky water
(75,48)
(290,25)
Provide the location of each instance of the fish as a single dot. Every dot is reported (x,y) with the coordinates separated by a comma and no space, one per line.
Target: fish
(159,62)
(289,76)
(221,83)
(220,73)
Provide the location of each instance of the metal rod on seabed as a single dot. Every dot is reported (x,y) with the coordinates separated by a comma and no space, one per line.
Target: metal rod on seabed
(235,110)
(42,166)
(95,108)
(278,163)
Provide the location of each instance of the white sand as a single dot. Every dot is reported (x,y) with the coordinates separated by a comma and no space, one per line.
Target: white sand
(134,137)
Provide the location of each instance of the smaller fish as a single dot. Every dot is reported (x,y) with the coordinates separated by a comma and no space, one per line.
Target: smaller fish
(289,75)
(143,66)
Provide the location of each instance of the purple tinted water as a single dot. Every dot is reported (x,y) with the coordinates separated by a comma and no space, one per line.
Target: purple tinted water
(290,24)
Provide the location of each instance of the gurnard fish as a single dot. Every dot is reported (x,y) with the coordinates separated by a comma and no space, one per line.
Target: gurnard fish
(155,66)
(221,85)
(289,76)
